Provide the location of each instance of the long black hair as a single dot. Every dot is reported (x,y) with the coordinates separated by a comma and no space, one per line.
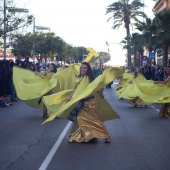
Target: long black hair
(54,67)
(89,71)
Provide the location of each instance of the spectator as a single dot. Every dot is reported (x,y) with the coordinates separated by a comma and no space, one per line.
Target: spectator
(12,89)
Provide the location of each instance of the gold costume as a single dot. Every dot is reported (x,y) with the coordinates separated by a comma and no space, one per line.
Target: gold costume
(165,110)
(137,102)
(88,124)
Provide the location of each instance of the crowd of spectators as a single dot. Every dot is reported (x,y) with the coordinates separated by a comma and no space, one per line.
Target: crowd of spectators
(154,73)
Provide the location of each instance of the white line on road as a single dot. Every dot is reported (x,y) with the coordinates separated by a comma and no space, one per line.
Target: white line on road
(49,157)
(152,106)
(157,110)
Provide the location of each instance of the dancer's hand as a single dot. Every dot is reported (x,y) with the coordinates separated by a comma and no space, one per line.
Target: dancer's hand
(68,98)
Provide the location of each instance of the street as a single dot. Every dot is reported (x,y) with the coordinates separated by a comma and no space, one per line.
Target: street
(140,140)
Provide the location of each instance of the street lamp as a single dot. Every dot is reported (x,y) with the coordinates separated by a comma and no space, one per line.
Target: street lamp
(38,28)
(42,28)
(10,9)
(108,43)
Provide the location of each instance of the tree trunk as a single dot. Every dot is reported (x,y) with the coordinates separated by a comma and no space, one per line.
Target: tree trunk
(141,59)
(135,58)
(128,44)
(165,54)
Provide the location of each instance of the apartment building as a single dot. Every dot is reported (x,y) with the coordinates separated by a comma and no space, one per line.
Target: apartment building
(159,6)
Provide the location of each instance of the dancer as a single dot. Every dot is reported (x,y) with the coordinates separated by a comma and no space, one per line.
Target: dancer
(32,86)
(85,105)
(88,124)
(47,75)
(137,101)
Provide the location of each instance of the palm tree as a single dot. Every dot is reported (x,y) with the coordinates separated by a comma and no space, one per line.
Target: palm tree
(123,13)
(149,29)
(137,48)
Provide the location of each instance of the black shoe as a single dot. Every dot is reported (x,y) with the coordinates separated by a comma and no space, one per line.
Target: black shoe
(45,116)
(94,140)
(107,140)
(13,100)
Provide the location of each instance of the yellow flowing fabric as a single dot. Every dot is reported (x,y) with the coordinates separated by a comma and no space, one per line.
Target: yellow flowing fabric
(56,103)
(125,89)
(150,92)
(30,87)
(91,53)
(124,80)
(146,90)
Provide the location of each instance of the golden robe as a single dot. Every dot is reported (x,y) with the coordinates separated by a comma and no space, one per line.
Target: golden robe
(165,110)
(88,124)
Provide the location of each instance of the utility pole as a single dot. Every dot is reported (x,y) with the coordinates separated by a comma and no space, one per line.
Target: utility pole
(10,9)
(33,51)
(38,28)
(5,29)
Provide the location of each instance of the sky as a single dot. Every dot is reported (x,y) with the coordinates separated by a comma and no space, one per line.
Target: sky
(82,23)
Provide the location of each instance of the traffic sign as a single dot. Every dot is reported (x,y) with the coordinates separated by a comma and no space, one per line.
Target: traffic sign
(152,55)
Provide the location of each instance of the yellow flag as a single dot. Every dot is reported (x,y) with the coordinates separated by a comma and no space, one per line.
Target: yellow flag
(91,53)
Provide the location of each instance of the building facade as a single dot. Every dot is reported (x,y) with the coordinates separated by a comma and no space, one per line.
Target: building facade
(159,6)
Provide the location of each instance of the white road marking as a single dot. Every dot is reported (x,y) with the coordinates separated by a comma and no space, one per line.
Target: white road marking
(115,83)
(49,157)
(152,106)
(157,110)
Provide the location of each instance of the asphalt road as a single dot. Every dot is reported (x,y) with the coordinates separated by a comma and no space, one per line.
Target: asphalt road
(140,140)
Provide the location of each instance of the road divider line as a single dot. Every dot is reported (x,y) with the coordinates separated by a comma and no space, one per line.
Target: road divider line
(49,157)
(157,110)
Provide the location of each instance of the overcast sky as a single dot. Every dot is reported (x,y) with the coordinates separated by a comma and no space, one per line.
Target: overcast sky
(81,22)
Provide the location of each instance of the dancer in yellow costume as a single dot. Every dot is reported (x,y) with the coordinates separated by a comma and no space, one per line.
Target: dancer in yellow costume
(137,101)
(124,81)
(126,89)
(30,87)
(47,75)
(165,108)
(88,124)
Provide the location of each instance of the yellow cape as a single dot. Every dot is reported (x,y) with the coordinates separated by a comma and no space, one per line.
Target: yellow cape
(150,92)
(30,87)
(56,103)
(146,90)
